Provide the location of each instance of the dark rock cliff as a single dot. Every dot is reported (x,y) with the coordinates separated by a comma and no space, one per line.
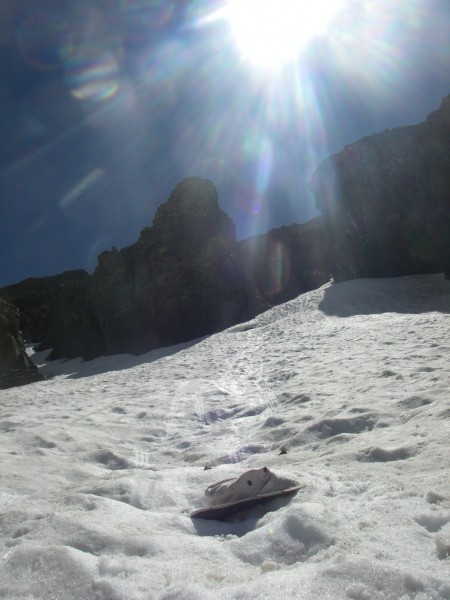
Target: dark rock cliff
(288,261)
(182,279)
(56,312)
(386,201)
(16,368)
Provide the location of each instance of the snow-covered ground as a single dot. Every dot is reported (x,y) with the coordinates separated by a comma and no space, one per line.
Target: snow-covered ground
(102,464)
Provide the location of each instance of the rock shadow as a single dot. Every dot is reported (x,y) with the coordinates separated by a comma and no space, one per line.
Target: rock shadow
(411,294)
(77,368)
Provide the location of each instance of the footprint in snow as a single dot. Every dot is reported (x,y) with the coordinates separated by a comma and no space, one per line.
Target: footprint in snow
(433,522)
(414,402)
(111,460)
(386,455)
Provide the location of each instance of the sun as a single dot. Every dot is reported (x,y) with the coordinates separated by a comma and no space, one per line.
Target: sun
(271,33)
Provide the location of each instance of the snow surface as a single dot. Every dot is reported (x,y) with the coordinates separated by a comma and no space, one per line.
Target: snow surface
(102,464)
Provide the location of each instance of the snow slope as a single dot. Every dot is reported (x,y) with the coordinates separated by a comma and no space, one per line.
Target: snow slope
(102,464)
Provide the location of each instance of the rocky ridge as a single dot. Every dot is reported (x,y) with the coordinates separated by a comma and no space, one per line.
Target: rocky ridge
(181,280)
(386,201)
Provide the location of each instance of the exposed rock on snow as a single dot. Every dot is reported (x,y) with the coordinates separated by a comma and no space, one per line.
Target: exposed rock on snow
(16,368)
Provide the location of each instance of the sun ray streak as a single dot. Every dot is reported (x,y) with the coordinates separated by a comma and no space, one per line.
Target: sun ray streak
(271,33)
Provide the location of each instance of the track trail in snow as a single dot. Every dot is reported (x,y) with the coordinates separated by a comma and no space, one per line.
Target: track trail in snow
(102,464)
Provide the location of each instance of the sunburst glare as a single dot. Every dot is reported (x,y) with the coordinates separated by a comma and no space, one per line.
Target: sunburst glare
(270,33)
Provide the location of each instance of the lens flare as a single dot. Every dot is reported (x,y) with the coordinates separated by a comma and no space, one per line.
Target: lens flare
(270,33)
(80,188)
(92,76)
(279,268)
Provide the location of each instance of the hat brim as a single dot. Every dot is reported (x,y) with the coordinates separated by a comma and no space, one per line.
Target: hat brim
(223,511)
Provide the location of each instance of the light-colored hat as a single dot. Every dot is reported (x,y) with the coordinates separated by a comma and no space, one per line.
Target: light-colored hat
(240,493)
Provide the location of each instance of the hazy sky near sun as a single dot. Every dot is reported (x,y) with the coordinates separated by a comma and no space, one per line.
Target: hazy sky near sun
(106,105)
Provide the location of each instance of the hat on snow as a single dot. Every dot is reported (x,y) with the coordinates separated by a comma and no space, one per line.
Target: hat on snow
(230,496)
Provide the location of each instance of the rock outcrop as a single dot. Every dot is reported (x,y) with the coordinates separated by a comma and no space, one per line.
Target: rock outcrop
(182,279)
(288,261)
(386,201)
(56,312)
(16,368)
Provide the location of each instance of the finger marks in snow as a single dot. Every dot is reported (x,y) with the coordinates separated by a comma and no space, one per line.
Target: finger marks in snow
(8,426)
(241,453)
(433,522)
(327,428)
(111,460)
(218,414)
(20,531)
(433,497)
(91,539)
(378,454)
(390,373)
(335,430)
(443,552)
(290,398)
(41,442)
(282,376)
(413,402)
(445,414)
(120,491)
(253,411)
(273,421)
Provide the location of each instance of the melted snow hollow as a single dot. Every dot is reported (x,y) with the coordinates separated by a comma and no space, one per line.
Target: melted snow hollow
(102,464)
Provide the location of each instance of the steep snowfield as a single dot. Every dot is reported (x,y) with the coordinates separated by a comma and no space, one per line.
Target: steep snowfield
(102,464)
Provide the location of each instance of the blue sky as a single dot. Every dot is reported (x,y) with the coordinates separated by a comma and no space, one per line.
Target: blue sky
(106,106)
